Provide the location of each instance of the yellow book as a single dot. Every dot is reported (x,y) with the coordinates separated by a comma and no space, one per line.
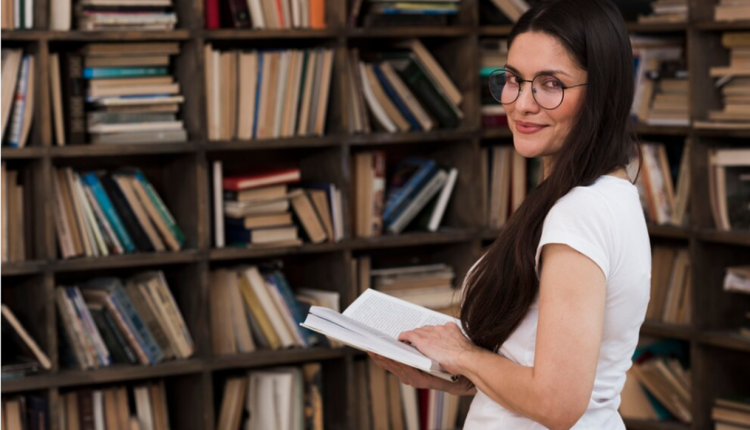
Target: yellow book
(257,310)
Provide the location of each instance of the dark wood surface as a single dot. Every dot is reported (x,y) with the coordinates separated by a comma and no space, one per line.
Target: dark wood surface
(181,173)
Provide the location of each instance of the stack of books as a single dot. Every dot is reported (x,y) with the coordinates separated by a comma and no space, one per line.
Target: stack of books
(671,286)
(260,209)
(661,203)
(134,15)
(393,405)
(430,286)
(404,89)
(666,11)
(99,214)
(658,387)
(732,413)
(667,89)
(106,323)
(297,402)
(734,81)
(390,13)
(25,413)
(267,94)
(648,55)
(265,14)
(17,15)
(512,9)
(507,177)
(14,215)
(143,406)
(729,188)
(251,309)
(18,97)
(117,93)
(21,353)
(732,10)
(417,194)
(493,55)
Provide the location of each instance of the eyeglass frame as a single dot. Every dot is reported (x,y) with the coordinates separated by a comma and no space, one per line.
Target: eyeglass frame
(520,87)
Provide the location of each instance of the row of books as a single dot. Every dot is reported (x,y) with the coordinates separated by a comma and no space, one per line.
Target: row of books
(409,13)
(25,413)
(288,398)
(105,322)
(666,11)
(260,209)
(21,353)
(18,97)
(115,93)
(141,407)
(658,386)
(99,214)
(395,406)
(427,285)
(648,55)
(17,15)
(664,193)
(401,89)
(737,279)
(493,55)
(14,215)
(265,14)
(671,286)
(729,188)
(508,176)
(732,10)
(267,94)
(112,15)
(416,195)
(252,309)
(732,413)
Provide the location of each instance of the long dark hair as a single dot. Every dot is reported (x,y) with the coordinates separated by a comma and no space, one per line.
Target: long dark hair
(504,284)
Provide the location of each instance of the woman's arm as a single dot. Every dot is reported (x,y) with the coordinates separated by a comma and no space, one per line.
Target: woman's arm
(556,391)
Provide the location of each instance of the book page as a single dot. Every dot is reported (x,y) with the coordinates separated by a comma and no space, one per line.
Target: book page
(392,316)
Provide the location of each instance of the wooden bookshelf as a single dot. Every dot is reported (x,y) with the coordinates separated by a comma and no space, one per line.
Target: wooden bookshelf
(716,353)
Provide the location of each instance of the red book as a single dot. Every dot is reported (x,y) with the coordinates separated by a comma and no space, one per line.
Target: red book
(424,408)
(261,179)
(212,14)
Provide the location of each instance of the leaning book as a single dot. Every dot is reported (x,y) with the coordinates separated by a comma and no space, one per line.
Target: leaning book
(374,321)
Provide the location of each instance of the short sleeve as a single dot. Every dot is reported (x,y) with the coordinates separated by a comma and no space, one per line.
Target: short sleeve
(582,221)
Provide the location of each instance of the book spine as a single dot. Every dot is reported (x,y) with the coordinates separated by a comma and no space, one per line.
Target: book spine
(74,99)
(97,342)
(92,182)
(423,88)
(164,296)
(129,355)
(76,344)
(149,320)
(141,332)
(86,409)
(287,295)
(123,72)
(120,203)
(109,236)
(399,197)
(126,329)
(118,355)
(404,217)
(240,13)
(161,207)
(19,105)
(81,328)
(391,92)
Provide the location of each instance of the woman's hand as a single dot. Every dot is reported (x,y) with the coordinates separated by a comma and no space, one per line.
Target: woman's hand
(445,344)
(418,379)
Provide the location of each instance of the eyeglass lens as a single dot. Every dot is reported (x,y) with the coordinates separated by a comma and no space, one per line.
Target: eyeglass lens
(547,90)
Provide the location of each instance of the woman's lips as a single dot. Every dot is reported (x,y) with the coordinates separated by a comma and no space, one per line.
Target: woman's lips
(528,127)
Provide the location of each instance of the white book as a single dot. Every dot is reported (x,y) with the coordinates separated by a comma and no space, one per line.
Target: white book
(256,12)
(262,402)
(136,101)
(281,89)
(218,205)
(422,198)
(410,406)
(60,18)
(87,236)
(377,110)
(143,408)
(91,223)
(98,398)
(135,127)
(103,220)
(443,199)
(373,323)
(264,297)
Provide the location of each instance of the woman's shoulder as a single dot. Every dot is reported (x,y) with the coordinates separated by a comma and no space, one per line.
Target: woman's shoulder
(604,197)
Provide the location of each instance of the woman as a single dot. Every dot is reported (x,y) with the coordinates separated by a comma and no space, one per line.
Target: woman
(549,344)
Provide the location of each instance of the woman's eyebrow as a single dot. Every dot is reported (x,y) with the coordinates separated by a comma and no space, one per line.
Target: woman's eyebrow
(542,72)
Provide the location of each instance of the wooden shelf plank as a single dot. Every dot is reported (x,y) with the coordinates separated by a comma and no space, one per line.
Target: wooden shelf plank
(407,32)
(673,27)
(412,239)
(661,329)
(116,36)
(23,268)
(741,238)
(142,259)
(496,133)
(662,130)
(495,30)
(290,142)
(414,137)
(295,33)
(76,151)
(723,25)
(655,425)
(708,132)
(233,253)
(668,231)
(23,35)
(724,339)
(275,358)
(25,152)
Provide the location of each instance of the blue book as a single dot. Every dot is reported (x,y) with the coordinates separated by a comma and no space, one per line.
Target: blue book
(87,321)
(123,72)
(411,175)
(92,181)
(393,95)
(257,94)
(278,279)
(20,105)
(136,325)
(164,212)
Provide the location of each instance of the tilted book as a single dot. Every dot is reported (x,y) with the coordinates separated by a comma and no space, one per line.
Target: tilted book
(374,321)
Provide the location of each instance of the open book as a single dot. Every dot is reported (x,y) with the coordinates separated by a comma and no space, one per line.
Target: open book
(373,323)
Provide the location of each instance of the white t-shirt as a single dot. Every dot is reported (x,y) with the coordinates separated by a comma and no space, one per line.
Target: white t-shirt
(604,222)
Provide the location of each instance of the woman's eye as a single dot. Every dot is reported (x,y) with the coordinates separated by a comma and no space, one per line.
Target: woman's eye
(552,84)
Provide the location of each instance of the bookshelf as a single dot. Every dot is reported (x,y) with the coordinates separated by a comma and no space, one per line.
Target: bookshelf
(718,357)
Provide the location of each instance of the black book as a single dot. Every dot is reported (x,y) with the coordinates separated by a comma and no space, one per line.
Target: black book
(112,337)
(38,418)
(141,240)
(74,96)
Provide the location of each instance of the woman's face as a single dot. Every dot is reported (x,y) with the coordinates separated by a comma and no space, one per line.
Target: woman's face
(539,132)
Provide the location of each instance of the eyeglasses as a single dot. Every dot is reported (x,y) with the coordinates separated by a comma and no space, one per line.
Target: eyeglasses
(547,90)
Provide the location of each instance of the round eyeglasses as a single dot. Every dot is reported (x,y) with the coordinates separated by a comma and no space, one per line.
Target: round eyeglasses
(547,90)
